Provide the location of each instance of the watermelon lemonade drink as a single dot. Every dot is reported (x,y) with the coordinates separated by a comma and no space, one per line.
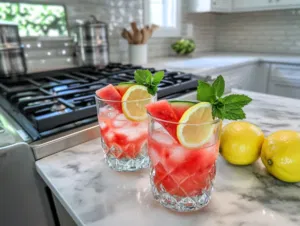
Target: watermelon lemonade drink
(123,122)
(183,145)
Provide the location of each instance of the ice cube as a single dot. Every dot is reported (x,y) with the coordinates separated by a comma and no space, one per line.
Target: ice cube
(102,125)
(121,117)
(103,109)
(108,112)
(109,136)
(118,124)
(162,138)
(177,154)
(112,113)
(132,133)
(120,121)
(154,156)
(141,127)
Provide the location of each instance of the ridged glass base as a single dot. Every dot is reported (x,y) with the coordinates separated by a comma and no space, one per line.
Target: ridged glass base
(141,161)
(178,203)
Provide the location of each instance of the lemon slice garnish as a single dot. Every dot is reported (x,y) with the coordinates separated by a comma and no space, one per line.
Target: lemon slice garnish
(195,126)
(134,101)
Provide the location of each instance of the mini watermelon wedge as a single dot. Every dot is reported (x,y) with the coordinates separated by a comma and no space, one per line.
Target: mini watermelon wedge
(123,87)
(164,111)
(180,106)
(111,96)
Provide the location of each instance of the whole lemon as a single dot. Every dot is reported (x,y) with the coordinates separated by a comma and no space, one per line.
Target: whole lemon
(281,155)
(241,142)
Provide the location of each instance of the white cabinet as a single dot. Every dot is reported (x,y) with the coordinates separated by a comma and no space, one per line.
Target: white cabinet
(209,6)
(260,5)
(240,78)
(244,5)
(221,5)
(287,3)
(284,80)
(201,6)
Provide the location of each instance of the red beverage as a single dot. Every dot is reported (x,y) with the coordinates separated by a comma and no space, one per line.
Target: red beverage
(183,145)
(119,133)
(123,125)
(178,170)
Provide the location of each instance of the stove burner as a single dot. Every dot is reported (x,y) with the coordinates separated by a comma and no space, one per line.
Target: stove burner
(55,101)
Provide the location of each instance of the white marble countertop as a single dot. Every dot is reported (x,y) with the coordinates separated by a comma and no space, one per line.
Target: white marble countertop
(215,62)
(210,62)
(94,195)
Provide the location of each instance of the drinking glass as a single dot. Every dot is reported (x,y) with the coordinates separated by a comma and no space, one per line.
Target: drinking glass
(182,178)
(123,141)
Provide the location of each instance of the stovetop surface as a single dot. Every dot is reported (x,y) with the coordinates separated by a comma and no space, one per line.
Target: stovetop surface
(51,102)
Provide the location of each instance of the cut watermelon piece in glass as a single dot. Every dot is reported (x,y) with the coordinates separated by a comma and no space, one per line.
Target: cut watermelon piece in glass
(162,110)
(110,96)
(180,106)
(123,87)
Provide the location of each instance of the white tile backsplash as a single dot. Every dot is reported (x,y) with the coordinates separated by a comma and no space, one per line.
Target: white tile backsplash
(119,14)
(269,31)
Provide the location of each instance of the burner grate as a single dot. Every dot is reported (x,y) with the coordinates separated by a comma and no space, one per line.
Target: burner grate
(55,101)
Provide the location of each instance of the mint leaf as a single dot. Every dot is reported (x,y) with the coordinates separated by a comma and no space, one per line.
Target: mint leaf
(233,105)
(217,112)
(234,114)
(236,101)
(145,78)
(152,90)
(219,86)
(149,79)
(205,92)
(228,107)
(140,76)
(157,77)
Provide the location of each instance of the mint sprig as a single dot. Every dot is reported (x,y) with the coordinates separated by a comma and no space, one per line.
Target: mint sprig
(227,107)
(145,78)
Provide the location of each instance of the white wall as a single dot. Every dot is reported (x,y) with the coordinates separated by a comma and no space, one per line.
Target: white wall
(268,31)
(118,14)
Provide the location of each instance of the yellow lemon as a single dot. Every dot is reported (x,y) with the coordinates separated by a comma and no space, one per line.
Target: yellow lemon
(134,101)
(241,143)
(196,127)
(281,155)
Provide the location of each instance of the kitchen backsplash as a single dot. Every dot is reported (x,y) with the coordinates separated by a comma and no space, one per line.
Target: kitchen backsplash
(269,32)
(274,31)
(117,13)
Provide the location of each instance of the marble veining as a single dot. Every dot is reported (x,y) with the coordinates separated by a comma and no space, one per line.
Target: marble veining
(94,195)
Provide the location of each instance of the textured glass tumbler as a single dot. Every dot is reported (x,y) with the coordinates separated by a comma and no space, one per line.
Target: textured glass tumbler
(123,141)
(182,178)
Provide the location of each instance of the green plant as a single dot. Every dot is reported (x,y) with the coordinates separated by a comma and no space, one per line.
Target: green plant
(184,46)
(35,19)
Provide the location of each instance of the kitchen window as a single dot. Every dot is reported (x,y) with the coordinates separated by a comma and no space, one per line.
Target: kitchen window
(36,19)
(166,14)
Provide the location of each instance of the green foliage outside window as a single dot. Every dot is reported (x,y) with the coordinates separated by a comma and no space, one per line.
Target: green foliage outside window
(36,19)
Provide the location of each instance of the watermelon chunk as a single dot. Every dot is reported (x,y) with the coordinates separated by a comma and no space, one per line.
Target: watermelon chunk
(123,87)
(110,96)
(180,106)
(163,110)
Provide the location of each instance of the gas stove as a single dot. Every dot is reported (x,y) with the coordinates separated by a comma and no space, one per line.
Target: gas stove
(48,103)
